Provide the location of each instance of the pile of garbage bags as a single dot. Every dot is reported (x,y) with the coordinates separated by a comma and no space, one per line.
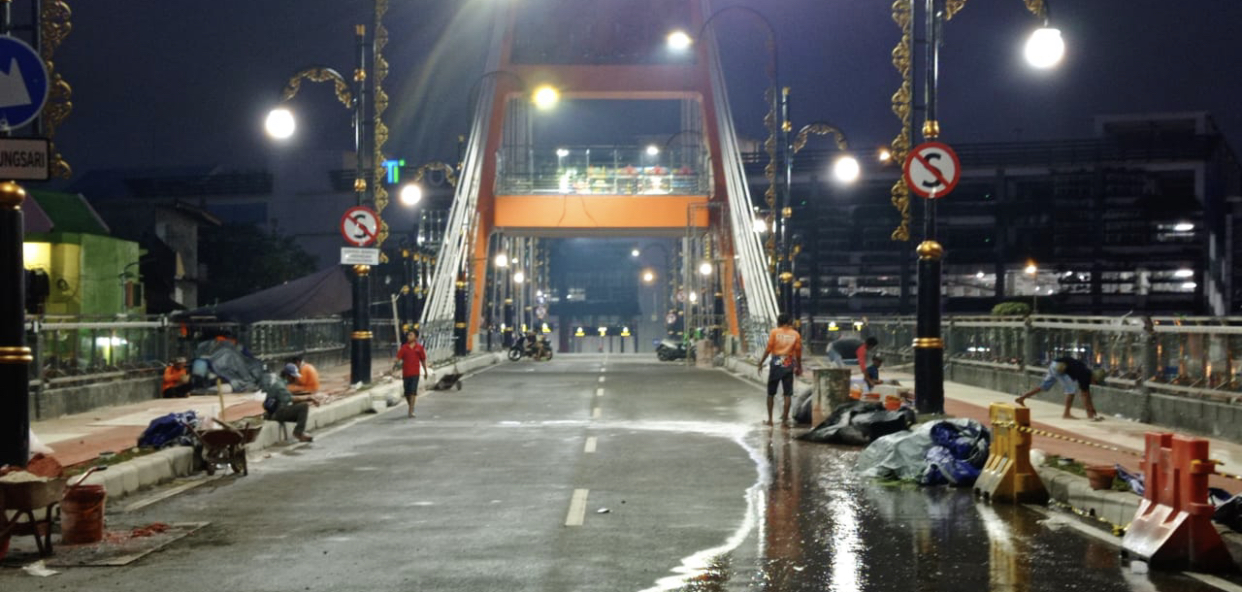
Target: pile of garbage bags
(170,430)
(230,362)
(859,424)
(943,452)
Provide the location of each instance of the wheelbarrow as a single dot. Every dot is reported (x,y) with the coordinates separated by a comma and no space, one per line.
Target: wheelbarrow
(225,446)
(25,498)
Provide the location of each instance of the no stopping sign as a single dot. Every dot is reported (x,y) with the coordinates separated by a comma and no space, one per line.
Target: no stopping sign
(932,170)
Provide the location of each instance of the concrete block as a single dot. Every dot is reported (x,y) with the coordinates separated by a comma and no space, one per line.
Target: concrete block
(181,460)
(150,471)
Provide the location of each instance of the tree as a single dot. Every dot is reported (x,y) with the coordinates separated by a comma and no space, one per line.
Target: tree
(243,259)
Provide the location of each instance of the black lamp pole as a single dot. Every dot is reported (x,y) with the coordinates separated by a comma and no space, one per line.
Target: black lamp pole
(361,338)
(15,357)
(928,346)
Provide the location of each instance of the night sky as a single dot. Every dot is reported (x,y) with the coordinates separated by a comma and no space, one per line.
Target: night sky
(161,83)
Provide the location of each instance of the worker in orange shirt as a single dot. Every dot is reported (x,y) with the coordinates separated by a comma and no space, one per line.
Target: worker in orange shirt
(785,347)
(307,378)
(176,380)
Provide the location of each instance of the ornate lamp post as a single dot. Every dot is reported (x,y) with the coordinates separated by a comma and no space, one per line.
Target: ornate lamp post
(1043,50)
(777,120)
(280,124)
(845,169)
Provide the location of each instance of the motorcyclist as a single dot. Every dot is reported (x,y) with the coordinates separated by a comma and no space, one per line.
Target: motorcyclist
(534,345)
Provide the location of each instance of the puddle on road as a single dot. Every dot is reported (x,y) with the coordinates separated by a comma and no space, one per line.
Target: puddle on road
(818,526)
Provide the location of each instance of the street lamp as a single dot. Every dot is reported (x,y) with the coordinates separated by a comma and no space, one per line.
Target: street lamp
(928,345)
(280,124)
(777,118)
(546,97)
(845,169)
(410,194)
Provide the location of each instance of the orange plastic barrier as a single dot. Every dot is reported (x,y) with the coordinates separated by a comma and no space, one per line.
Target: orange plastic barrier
(1008,475)
(1173,527)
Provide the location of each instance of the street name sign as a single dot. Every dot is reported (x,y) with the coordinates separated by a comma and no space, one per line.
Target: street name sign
(23,83)
(360,226)
(359,256)
(932,170)
(25,159)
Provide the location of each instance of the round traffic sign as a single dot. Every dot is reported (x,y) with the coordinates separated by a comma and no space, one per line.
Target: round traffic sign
(932,170)
(671,318)
(360,226)
(541,312)
(24,86)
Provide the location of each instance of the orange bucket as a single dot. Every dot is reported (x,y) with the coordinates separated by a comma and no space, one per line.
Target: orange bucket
(82,515)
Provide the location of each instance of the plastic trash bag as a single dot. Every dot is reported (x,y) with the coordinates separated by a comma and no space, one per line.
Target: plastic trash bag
(802,402)
(944,468)
(903,456)
(1134,480)
(169,430)
(1229,512)
(859,423)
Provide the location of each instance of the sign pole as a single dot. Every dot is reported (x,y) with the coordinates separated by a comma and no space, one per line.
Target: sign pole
(15,357)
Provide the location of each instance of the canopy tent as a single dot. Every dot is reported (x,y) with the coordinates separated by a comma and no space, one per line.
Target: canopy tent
(322,293)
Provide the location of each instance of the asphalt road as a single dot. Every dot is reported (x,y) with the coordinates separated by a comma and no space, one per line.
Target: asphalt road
(593,473)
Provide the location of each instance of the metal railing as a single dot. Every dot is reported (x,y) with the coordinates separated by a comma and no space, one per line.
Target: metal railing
(1191,356)
(607,170)
(79,350)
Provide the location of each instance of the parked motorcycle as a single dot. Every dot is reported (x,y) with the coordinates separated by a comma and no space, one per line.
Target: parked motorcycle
(670,350)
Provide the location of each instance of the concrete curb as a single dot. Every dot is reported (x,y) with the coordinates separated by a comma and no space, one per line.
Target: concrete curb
(1116,507)
(125,478)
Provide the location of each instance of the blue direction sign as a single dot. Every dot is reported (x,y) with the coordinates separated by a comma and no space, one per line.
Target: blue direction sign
(23,83)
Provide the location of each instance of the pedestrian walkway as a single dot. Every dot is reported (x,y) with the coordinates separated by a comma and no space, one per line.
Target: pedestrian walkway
(1113,432)
(80,438)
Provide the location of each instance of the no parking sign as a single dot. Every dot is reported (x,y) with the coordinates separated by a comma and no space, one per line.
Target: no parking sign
(932,170)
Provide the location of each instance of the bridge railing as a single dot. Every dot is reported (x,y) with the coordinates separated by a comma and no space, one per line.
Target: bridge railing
(1194,356)
(605,170)
(79,350)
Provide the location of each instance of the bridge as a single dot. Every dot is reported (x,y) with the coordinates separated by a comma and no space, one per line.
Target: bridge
(514,187)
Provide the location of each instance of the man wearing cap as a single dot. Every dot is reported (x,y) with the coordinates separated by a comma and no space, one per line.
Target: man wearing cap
(1073,376)
(176,380)
(290,407)
(307,377)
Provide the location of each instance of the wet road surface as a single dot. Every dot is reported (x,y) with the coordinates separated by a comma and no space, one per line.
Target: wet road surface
(594,473)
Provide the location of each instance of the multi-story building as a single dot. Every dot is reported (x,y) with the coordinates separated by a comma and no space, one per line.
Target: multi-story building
(1142,217)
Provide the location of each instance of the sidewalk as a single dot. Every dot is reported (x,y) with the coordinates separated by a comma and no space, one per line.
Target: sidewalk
(80,438)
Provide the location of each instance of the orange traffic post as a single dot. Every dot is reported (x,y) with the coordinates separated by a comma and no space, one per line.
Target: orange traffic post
(1008,475)
(1173,527)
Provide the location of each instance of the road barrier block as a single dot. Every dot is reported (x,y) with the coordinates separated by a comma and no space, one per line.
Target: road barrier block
(1173,527)
(1008,475)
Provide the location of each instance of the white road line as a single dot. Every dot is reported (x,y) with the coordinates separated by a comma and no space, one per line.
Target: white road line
(577,508)
(590,445)
(601,379)
(596,413)
(599,392)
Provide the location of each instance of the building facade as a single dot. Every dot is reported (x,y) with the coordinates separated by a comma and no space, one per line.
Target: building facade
(1142,217)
